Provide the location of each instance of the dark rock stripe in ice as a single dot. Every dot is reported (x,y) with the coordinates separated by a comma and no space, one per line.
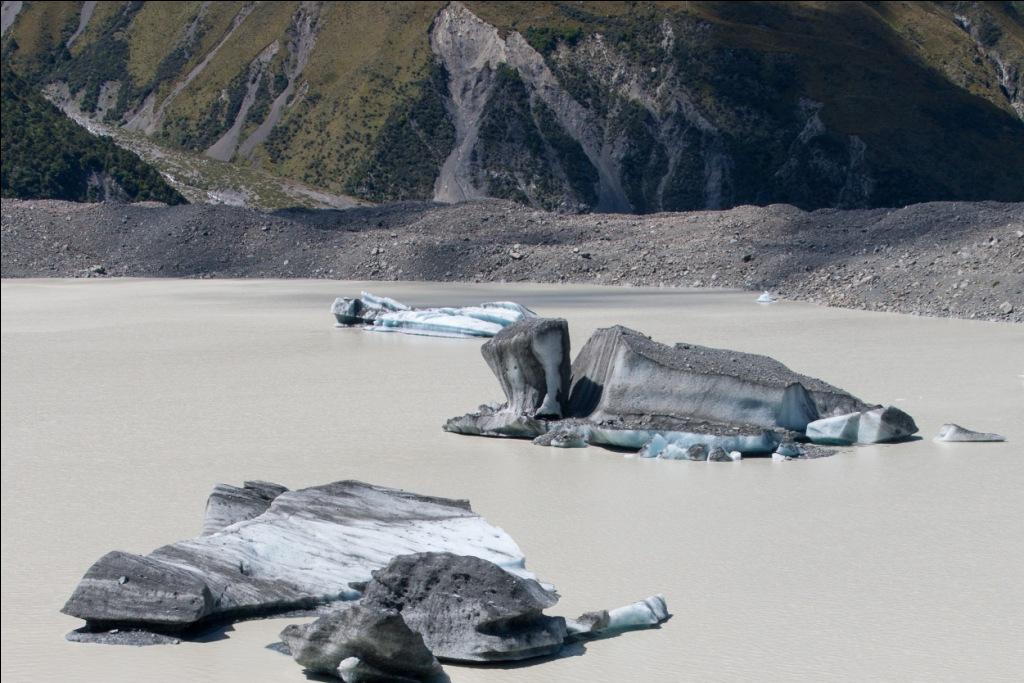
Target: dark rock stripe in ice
(229,504)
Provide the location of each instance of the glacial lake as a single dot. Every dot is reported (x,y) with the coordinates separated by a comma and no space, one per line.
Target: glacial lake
(124,401)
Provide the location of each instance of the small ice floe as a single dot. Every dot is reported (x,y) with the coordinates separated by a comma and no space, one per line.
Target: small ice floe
(954,432)
(383,314)
(766,298)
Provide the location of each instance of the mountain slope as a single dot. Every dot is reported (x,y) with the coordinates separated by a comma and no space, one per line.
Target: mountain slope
(46,155)
(619,106)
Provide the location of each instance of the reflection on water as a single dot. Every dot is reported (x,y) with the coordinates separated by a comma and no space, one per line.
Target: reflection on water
(123,402)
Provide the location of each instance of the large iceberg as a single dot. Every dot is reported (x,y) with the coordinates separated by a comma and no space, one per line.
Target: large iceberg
(629,392)
(383,314)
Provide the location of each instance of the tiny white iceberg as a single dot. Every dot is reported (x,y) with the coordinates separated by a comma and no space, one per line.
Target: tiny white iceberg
(766,298)
(382,314)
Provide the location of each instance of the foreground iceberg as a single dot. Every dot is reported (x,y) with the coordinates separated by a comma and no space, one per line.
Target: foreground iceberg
(382,314)
(304,550)
(400,580)
(679,402)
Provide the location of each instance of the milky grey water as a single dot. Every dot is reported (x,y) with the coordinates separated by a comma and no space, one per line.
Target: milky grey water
(123,402)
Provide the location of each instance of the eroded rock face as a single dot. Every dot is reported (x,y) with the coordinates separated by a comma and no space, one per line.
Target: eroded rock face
(303,551)
(468,609)
(379,639)
(954,432)
(530,358)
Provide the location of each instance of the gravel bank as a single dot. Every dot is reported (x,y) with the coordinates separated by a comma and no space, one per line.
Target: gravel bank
(959,259)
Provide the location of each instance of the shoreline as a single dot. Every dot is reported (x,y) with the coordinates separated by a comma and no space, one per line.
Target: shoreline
(944,259)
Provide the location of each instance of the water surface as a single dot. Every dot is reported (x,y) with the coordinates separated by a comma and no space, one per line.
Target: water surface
(124,401)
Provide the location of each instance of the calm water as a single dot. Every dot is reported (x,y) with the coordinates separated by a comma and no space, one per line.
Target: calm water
(123,402)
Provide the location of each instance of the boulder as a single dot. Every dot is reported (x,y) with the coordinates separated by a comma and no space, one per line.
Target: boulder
(303,551)
(468,609)
(381,643)
(954,432)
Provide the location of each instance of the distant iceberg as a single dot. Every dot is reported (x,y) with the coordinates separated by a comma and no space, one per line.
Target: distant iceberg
(382,314)
(766,298)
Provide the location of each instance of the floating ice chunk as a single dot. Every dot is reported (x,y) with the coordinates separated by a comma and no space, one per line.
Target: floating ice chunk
(954,432)
(885,424)
(649,612)
(878,425)
(718,454)
(383,314)
(641,614)
(839,430)
(766,298)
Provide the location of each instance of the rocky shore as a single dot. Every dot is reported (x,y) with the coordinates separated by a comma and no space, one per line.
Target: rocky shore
(950,259)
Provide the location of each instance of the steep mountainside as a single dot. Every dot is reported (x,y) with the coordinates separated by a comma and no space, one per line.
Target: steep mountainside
(616,106)
(43,154)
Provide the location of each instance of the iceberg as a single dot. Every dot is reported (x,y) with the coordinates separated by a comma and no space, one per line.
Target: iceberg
(383,314)
(766,298)
(304,550)
(683,402)
(954,432)
(878,425)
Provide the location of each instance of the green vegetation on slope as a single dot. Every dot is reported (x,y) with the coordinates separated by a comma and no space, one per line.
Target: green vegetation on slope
(692,105)
(46,155)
